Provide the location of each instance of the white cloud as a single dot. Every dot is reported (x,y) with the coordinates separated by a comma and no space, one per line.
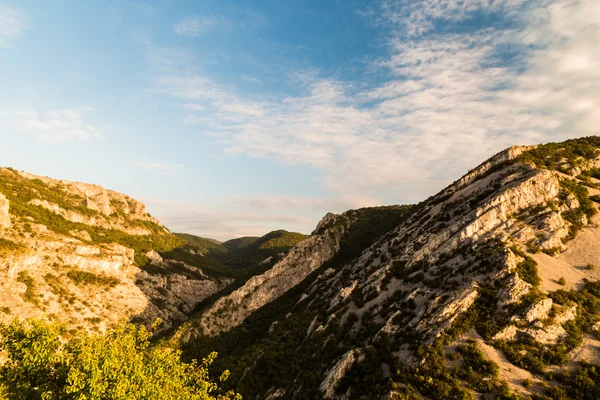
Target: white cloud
(452,98)
(13,21)
(194,26)
(163,168)
(56,126)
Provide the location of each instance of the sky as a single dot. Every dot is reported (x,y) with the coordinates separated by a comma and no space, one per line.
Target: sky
(235,118)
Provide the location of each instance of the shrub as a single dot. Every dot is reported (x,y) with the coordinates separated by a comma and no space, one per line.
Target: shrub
(29,295)
(527,270)
(120,364)
(562,281)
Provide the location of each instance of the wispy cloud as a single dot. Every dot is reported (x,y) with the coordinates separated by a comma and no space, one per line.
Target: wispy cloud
(55,126)
(13,21)
(161,167)
(194,26)
(453,97)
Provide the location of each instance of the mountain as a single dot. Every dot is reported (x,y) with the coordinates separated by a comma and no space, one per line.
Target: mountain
(488,289)
(88,257)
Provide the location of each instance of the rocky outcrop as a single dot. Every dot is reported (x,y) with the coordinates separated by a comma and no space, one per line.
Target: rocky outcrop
(4,214)
(535,314)
(513,291)
(488,166)
(538,311)
(467,252)
(336,373)
(154,257)
(97,198)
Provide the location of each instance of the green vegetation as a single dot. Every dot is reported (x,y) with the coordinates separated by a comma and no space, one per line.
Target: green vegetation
(120,364)
(203,245)
(480,373)
(435,379)
(89,278)
(583,384)
(30,292)
(8,246)
(585,209)
(252,252)
(529,354)
(562,281)
(527,269)
(572,151)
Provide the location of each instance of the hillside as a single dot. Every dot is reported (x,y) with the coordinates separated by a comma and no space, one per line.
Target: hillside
(83,255)
(488,289)
(89,257)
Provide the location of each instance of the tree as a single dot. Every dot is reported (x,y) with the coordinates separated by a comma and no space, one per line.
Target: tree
(120,364)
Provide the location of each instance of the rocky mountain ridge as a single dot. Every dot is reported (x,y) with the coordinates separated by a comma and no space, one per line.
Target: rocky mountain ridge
(491,263)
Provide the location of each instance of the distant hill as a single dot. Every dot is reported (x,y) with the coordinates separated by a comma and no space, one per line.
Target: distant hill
(240,243)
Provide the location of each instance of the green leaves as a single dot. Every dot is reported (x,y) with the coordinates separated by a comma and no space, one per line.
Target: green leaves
(121,364)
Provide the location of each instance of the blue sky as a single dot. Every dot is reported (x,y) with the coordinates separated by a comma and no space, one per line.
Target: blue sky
(235,118)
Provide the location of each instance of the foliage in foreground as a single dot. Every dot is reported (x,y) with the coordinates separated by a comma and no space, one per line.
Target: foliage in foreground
(120,364)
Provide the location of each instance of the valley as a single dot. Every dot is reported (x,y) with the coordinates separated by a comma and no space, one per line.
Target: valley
(489,289)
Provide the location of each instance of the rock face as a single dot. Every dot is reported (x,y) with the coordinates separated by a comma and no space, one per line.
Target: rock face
(539,311)
(336,373)
(4,214)
(513,291)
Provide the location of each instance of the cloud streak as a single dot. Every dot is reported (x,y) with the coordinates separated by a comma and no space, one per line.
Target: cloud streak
(194,26)
(55,126)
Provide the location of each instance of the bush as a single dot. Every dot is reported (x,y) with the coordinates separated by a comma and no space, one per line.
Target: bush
(120,364)
(527,270)
(562,281)
(29,295)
